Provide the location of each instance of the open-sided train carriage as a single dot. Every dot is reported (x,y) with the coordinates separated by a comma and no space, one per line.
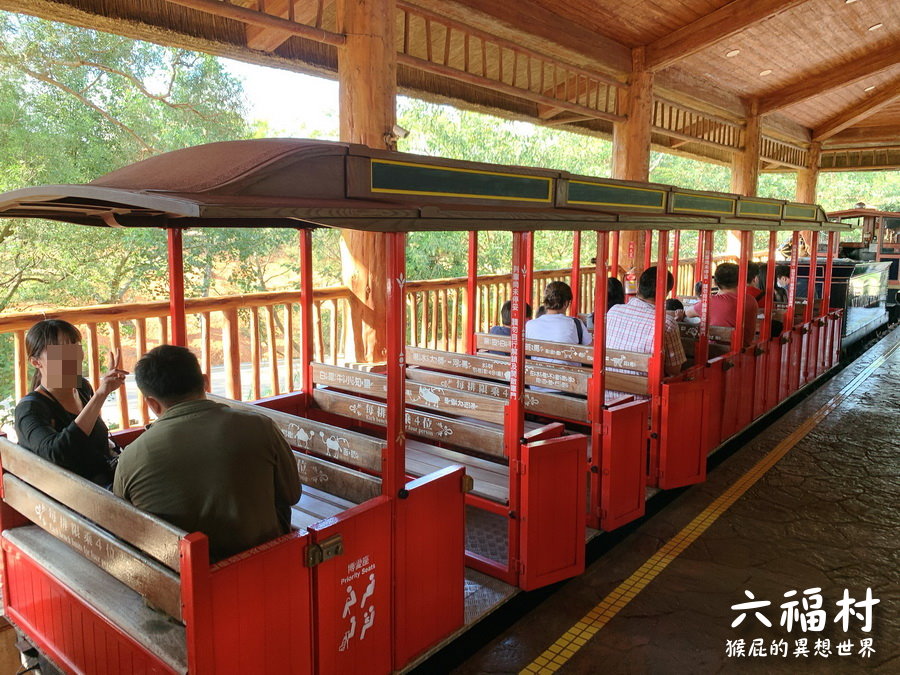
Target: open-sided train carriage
(381,452)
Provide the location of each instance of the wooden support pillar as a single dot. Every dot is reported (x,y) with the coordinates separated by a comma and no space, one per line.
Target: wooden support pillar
(367,73)
(631,149)
(745,168)
(807,180)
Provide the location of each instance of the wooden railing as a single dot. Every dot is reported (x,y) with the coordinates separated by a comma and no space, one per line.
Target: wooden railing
(250,344)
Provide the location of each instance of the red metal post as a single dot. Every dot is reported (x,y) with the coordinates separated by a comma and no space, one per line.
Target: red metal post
(176,286)
(811,284)
(698,263)
(614,256)
(829,263)
(596,385)
(196,602)
(701,353)
(472,293)
(657,370)
(676,250)
(514,412)
(394,475)
(648,247)
(792,287)
(575,307)
(306,315)
(769,300)
(529,267)
(737,338)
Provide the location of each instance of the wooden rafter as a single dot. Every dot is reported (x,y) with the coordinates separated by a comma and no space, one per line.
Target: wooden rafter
(806,86)
(262,20)
(873,134)
(265,39)
(885,95)
(716,26)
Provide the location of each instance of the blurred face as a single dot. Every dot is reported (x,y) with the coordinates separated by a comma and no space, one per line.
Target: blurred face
(784,281)
(60,365)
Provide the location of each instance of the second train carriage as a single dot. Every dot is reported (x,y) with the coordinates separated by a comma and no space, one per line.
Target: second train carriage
(382,453)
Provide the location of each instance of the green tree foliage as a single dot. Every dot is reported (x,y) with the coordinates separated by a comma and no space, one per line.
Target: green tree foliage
(76,104)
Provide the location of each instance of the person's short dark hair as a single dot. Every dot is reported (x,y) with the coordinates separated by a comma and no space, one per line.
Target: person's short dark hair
(752,270)
(673,304)
(647,283)
(698,288)
(557,294)
(727,275)
(782,271)
(615,292)
(170,374)
(506,312)
(541,310)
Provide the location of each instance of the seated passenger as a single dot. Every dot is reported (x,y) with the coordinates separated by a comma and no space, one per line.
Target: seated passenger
(782,282)
(723,305)
(615,293)
(506,319)
(60,419)
(752,275)
(203,466)
(675,308)
(631,327)
(553,325)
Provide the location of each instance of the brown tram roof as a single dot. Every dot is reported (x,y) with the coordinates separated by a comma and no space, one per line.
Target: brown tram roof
(305,183)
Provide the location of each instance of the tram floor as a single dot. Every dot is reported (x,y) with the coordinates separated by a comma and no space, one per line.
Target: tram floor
(819,520)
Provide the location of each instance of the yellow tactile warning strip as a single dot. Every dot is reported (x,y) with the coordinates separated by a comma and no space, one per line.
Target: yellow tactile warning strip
(556,656)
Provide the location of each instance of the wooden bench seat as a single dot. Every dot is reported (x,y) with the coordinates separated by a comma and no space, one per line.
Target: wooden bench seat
(109,597)
(491,479)
(316,505)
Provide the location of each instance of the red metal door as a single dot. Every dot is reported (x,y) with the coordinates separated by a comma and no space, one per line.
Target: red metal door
(553,510)
(261,610)
(430,563)
(802,351)
(798,338)
(623,464)
(715,392)
(682,456)
(761,363)
(732,396)
(353,602)
(772,360)
(746,367)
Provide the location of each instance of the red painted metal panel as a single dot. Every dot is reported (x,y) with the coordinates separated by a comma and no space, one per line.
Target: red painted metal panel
(746,367)
(552,515)
(761,370)
(430,564)
(62,625)
(623,466)
(715,402)
(682,460)
(812,350)
(795,359)
(732,396)
(197,601)
(262,609)
(353,608)
(772,360)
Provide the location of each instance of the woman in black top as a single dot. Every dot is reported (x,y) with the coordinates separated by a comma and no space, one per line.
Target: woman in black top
(60,419)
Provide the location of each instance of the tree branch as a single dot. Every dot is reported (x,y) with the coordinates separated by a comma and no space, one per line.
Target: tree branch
(47,79)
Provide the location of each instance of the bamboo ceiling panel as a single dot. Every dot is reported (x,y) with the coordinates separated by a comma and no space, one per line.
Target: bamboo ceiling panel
(814,37)
(631,22)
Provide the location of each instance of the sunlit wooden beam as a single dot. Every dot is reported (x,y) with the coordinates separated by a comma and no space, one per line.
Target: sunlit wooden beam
(883,96)
(807,85)
(715,27)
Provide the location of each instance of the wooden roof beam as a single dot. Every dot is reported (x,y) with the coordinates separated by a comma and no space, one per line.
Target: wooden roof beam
(267,39)
(883,96)
(873,134)
(715,27)
(835,75)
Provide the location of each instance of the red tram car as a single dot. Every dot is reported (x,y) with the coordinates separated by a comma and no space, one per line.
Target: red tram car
(431,492)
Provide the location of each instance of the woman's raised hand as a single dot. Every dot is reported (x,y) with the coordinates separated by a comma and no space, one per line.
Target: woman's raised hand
(114,376)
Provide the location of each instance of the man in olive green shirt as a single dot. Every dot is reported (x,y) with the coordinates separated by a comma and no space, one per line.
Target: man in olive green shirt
(203,466)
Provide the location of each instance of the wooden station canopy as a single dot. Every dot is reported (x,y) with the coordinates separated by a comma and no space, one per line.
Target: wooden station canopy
(303,183)
(793,85)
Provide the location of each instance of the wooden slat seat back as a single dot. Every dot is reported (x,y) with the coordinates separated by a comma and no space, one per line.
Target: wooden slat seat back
(136,548)
(344,445)
(570,379)
(615,358)
(491,479)
(443,400)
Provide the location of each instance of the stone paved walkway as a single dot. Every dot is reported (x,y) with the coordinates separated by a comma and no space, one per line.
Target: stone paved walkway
(825,516)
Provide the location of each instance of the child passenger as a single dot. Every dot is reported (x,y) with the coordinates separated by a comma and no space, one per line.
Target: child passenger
(506,319)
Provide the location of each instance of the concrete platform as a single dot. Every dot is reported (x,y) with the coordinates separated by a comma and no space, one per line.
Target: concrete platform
(824,516)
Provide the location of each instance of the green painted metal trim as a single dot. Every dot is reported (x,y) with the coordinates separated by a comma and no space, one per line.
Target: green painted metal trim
(800,212)
(620,196)
(683,202)
(407,178)
(752,207)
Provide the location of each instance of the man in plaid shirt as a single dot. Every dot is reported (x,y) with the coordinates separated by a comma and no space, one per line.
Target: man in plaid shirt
(630,327)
